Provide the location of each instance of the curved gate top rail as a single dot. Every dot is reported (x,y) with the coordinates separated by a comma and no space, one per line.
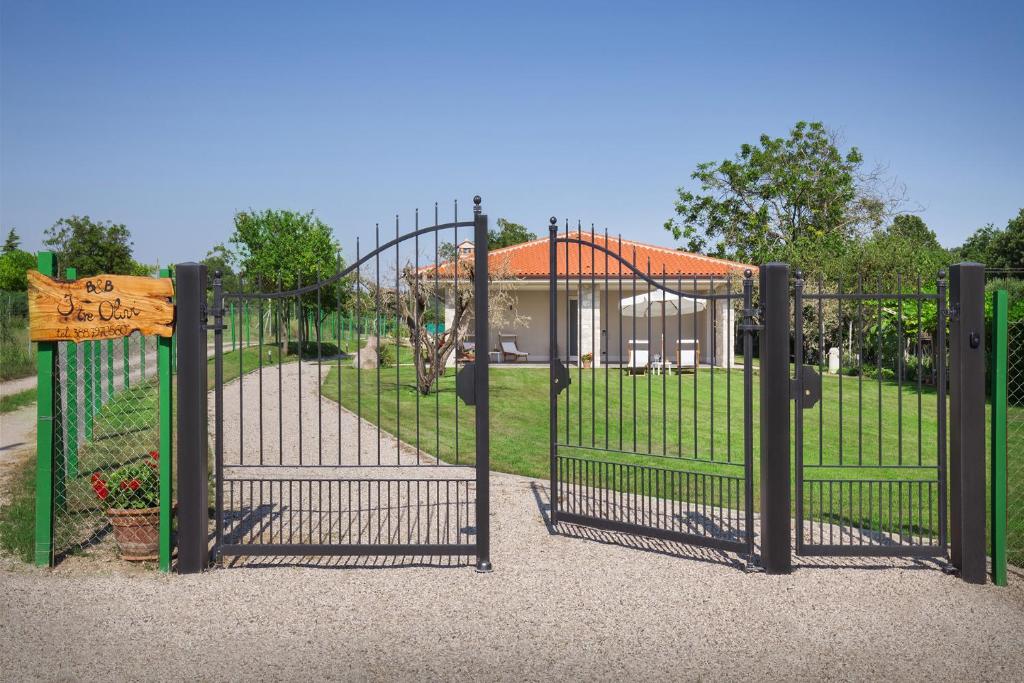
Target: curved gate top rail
(646,437)
(341,432)
(362,260)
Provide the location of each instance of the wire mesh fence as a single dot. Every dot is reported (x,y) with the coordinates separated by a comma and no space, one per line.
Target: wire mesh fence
(1015,443)
(106,468)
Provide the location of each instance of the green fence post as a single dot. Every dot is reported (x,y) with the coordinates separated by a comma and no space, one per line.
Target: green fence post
(110,368)
(164,347)
(125,364)
(46,362)
(87,376)
(71,389)
(97,385)
(998,445)
(231,315)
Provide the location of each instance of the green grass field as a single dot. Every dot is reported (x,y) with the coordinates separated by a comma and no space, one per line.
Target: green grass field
(859,430)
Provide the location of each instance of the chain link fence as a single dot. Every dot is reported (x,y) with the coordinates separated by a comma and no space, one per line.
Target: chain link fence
(106,469)
(1015,443)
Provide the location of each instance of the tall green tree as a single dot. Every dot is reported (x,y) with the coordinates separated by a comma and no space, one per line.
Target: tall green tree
(801,199)
(906,248)
(999,249)
(279,247)
(12,242)
(507,234)
(220,258)
(14,266)
(92,247)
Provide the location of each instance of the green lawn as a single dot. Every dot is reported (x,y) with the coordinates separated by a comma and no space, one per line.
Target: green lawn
(869,437)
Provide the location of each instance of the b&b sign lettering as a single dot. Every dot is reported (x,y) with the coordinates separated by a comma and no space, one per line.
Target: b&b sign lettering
(99,307)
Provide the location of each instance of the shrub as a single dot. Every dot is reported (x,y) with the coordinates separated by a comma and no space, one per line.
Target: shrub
(130,487)
(386,355)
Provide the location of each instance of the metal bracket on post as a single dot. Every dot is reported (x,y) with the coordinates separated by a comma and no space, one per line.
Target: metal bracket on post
(806,388)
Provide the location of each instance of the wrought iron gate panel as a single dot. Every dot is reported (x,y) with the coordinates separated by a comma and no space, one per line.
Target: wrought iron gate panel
(666,455)
(871,468)
(370,458)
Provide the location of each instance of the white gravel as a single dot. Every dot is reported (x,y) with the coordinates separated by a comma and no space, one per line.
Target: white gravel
(576,604)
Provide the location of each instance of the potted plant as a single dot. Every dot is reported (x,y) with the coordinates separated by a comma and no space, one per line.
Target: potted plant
(587,359)
(132,494)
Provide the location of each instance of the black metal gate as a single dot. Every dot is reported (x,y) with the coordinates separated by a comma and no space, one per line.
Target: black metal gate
(651,427)
(870,426)
(341,427)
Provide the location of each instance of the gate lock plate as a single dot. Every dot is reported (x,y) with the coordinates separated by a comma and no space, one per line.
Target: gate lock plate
(561,378)
(465,384)
(807,390)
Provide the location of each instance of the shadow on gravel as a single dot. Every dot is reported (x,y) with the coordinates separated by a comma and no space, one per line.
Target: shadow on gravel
(355,562)
(652,545)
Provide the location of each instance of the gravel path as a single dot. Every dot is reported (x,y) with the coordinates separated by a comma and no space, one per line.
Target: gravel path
(578,603)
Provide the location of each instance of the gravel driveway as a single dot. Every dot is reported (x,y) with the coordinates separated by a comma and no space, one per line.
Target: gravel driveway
(573,604)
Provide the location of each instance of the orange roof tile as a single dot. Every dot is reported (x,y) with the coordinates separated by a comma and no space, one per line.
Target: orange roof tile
(530,260)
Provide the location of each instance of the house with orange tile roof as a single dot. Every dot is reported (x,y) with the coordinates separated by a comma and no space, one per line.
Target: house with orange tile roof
(592,284)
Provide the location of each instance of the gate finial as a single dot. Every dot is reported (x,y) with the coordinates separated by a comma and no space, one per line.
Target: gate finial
(476,204)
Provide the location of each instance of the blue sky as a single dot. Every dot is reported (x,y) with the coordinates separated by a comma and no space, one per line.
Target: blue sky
(171,116)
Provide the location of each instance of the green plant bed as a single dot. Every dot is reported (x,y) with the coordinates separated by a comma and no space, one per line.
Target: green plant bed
(13,402)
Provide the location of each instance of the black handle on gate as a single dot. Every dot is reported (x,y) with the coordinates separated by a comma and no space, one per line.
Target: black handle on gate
(465,385)
(561,379)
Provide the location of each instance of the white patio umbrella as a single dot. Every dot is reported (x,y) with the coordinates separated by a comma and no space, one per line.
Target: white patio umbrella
(660,303)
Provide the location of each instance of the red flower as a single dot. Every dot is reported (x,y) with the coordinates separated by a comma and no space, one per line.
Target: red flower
(99,486)
(155,455)
(134,484)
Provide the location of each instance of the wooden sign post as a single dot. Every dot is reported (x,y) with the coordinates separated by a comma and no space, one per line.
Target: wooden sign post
(99,307)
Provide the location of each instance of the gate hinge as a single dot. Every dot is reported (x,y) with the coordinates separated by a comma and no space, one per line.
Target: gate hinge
(806,389)
(954,311)
(218,317)
(750,317)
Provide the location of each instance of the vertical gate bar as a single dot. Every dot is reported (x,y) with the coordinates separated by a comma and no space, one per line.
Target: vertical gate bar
(417,316)
(579,326)
(481,376)
(860,370)
(192,434)
(940,396)
(999,417)
(376,334)
(454,331)
(595,350)
(259,361)
(899,368)
(607,354)
(46,393)
(398,353)
(775,406)
(620,374)
(166,443)
(359,362)
(798,388)
(553,368)
(748,407)
(967,433)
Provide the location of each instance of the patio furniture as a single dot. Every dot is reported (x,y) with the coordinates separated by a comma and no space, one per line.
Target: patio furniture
(659,366)
(639,356)
(687,354)
(509,348)
(466,351)
(494,356)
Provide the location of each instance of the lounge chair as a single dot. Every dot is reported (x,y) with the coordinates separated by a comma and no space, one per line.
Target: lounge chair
(509,349)
(687,354)
(466,350)
(639,356)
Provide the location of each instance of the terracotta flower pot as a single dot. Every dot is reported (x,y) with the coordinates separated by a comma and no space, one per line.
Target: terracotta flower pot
(137,533)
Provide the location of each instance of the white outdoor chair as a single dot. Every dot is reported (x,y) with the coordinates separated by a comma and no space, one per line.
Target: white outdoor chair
(509,349)
(639,356)
(687,353)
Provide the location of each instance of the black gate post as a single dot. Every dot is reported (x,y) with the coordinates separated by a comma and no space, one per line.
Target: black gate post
(553,368)
(776,552)
(193,552)
(481,377)
(967,427)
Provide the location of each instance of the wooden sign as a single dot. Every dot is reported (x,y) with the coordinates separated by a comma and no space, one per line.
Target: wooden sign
(99,307)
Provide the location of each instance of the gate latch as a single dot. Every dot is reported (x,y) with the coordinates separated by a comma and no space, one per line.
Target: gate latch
(807,389)
(465,384)
(561,378)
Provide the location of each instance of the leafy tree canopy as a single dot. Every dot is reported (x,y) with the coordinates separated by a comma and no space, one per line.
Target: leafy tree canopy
(220,259)
(507,234)
(799,199)
(280,245)
(12,242)
(997,249)
(92,247)
(907,247)
(14,265)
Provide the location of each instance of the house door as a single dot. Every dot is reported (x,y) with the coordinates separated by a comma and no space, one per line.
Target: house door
(574,328)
